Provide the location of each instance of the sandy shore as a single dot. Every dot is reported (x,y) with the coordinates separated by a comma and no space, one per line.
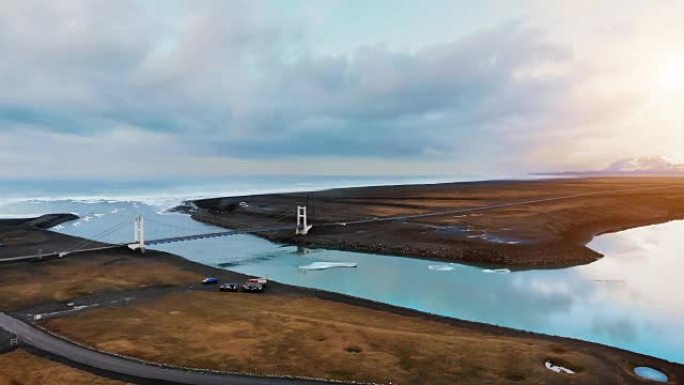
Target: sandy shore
(481,228)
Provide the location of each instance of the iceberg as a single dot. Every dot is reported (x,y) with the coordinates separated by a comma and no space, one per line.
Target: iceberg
(327,265)
(441,267)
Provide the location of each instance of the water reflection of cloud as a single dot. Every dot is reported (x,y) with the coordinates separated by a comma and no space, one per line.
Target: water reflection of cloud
(651,272)
(620,331)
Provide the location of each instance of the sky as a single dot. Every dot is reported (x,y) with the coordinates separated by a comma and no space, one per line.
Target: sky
(141,89)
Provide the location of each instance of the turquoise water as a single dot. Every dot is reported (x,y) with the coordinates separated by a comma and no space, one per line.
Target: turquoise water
(631,299)
(650,374)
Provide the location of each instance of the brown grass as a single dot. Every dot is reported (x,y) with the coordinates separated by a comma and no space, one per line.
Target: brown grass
(304,336)
(20,367)
(26,284)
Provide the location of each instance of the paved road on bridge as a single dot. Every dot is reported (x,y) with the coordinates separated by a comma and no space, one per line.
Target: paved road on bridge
(45,342)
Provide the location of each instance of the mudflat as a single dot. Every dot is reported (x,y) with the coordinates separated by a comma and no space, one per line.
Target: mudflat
(524,224)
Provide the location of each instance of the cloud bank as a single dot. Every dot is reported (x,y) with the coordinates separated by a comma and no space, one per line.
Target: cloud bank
(124,88)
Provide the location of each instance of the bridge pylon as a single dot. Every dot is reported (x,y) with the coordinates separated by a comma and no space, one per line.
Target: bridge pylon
(302,226)
(138,234)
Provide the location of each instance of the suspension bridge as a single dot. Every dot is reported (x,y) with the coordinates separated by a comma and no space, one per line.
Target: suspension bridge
(301,227)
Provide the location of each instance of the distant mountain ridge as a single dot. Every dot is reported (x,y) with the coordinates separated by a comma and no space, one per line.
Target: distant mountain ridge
(649,165)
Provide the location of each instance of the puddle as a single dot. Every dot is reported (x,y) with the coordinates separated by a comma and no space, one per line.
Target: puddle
(650,374)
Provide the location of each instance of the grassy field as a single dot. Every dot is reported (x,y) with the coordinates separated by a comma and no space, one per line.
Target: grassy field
(306,336)
(25,284)
(21,368)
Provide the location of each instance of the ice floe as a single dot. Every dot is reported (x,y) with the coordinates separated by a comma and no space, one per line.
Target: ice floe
(498,271)
(441,267)
(327,265)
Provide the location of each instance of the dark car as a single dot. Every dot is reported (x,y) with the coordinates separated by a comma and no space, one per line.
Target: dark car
(229,286)
(251,287)
(210,281)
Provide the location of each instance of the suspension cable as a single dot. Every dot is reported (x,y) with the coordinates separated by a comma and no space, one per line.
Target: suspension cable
(96,237)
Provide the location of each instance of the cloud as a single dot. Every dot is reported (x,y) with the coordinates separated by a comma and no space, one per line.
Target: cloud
(645,164)
(235,81)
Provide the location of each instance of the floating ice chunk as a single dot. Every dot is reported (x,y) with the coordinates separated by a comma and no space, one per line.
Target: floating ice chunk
(327,265)
(498,271)
(87,219)
(76,224)
(441,267)
(558,369)
(99,215)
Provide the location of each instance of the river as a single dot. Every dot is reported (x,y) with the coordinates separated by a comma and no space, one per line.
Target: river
(631,299)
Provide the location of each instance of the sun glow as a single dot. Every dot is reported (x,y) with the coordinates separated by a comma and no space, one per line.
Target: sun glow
(671,75)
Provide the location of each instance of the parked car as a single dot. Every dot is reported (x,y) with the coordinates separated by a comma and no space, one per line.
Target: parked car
(229,286)
(210,281)
(251,287)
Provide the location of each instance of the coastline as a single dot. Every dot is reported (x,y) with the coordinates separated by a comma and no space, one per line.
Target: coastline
(548,233)
(277,289)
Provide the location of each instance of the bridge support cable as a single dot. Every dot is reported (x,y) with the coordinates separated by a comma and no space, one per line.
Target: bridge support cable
(280,218)
(95,238)
(173,226)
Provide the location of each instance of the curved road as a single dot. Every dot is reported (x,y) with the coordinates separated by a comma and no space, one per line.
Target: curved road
(45,342)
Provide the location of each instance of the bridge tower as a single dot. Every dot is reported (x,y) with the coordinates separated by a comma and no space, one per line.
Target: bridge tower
(138,234)
(302,226)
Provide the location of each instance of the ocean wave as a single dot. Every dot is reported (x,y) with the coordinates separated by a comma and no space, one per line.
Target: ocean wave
(176,194)
(18,216)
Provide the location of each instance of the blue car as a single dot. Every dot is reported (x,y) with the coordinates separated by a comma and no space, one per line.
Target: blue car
(210,281)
